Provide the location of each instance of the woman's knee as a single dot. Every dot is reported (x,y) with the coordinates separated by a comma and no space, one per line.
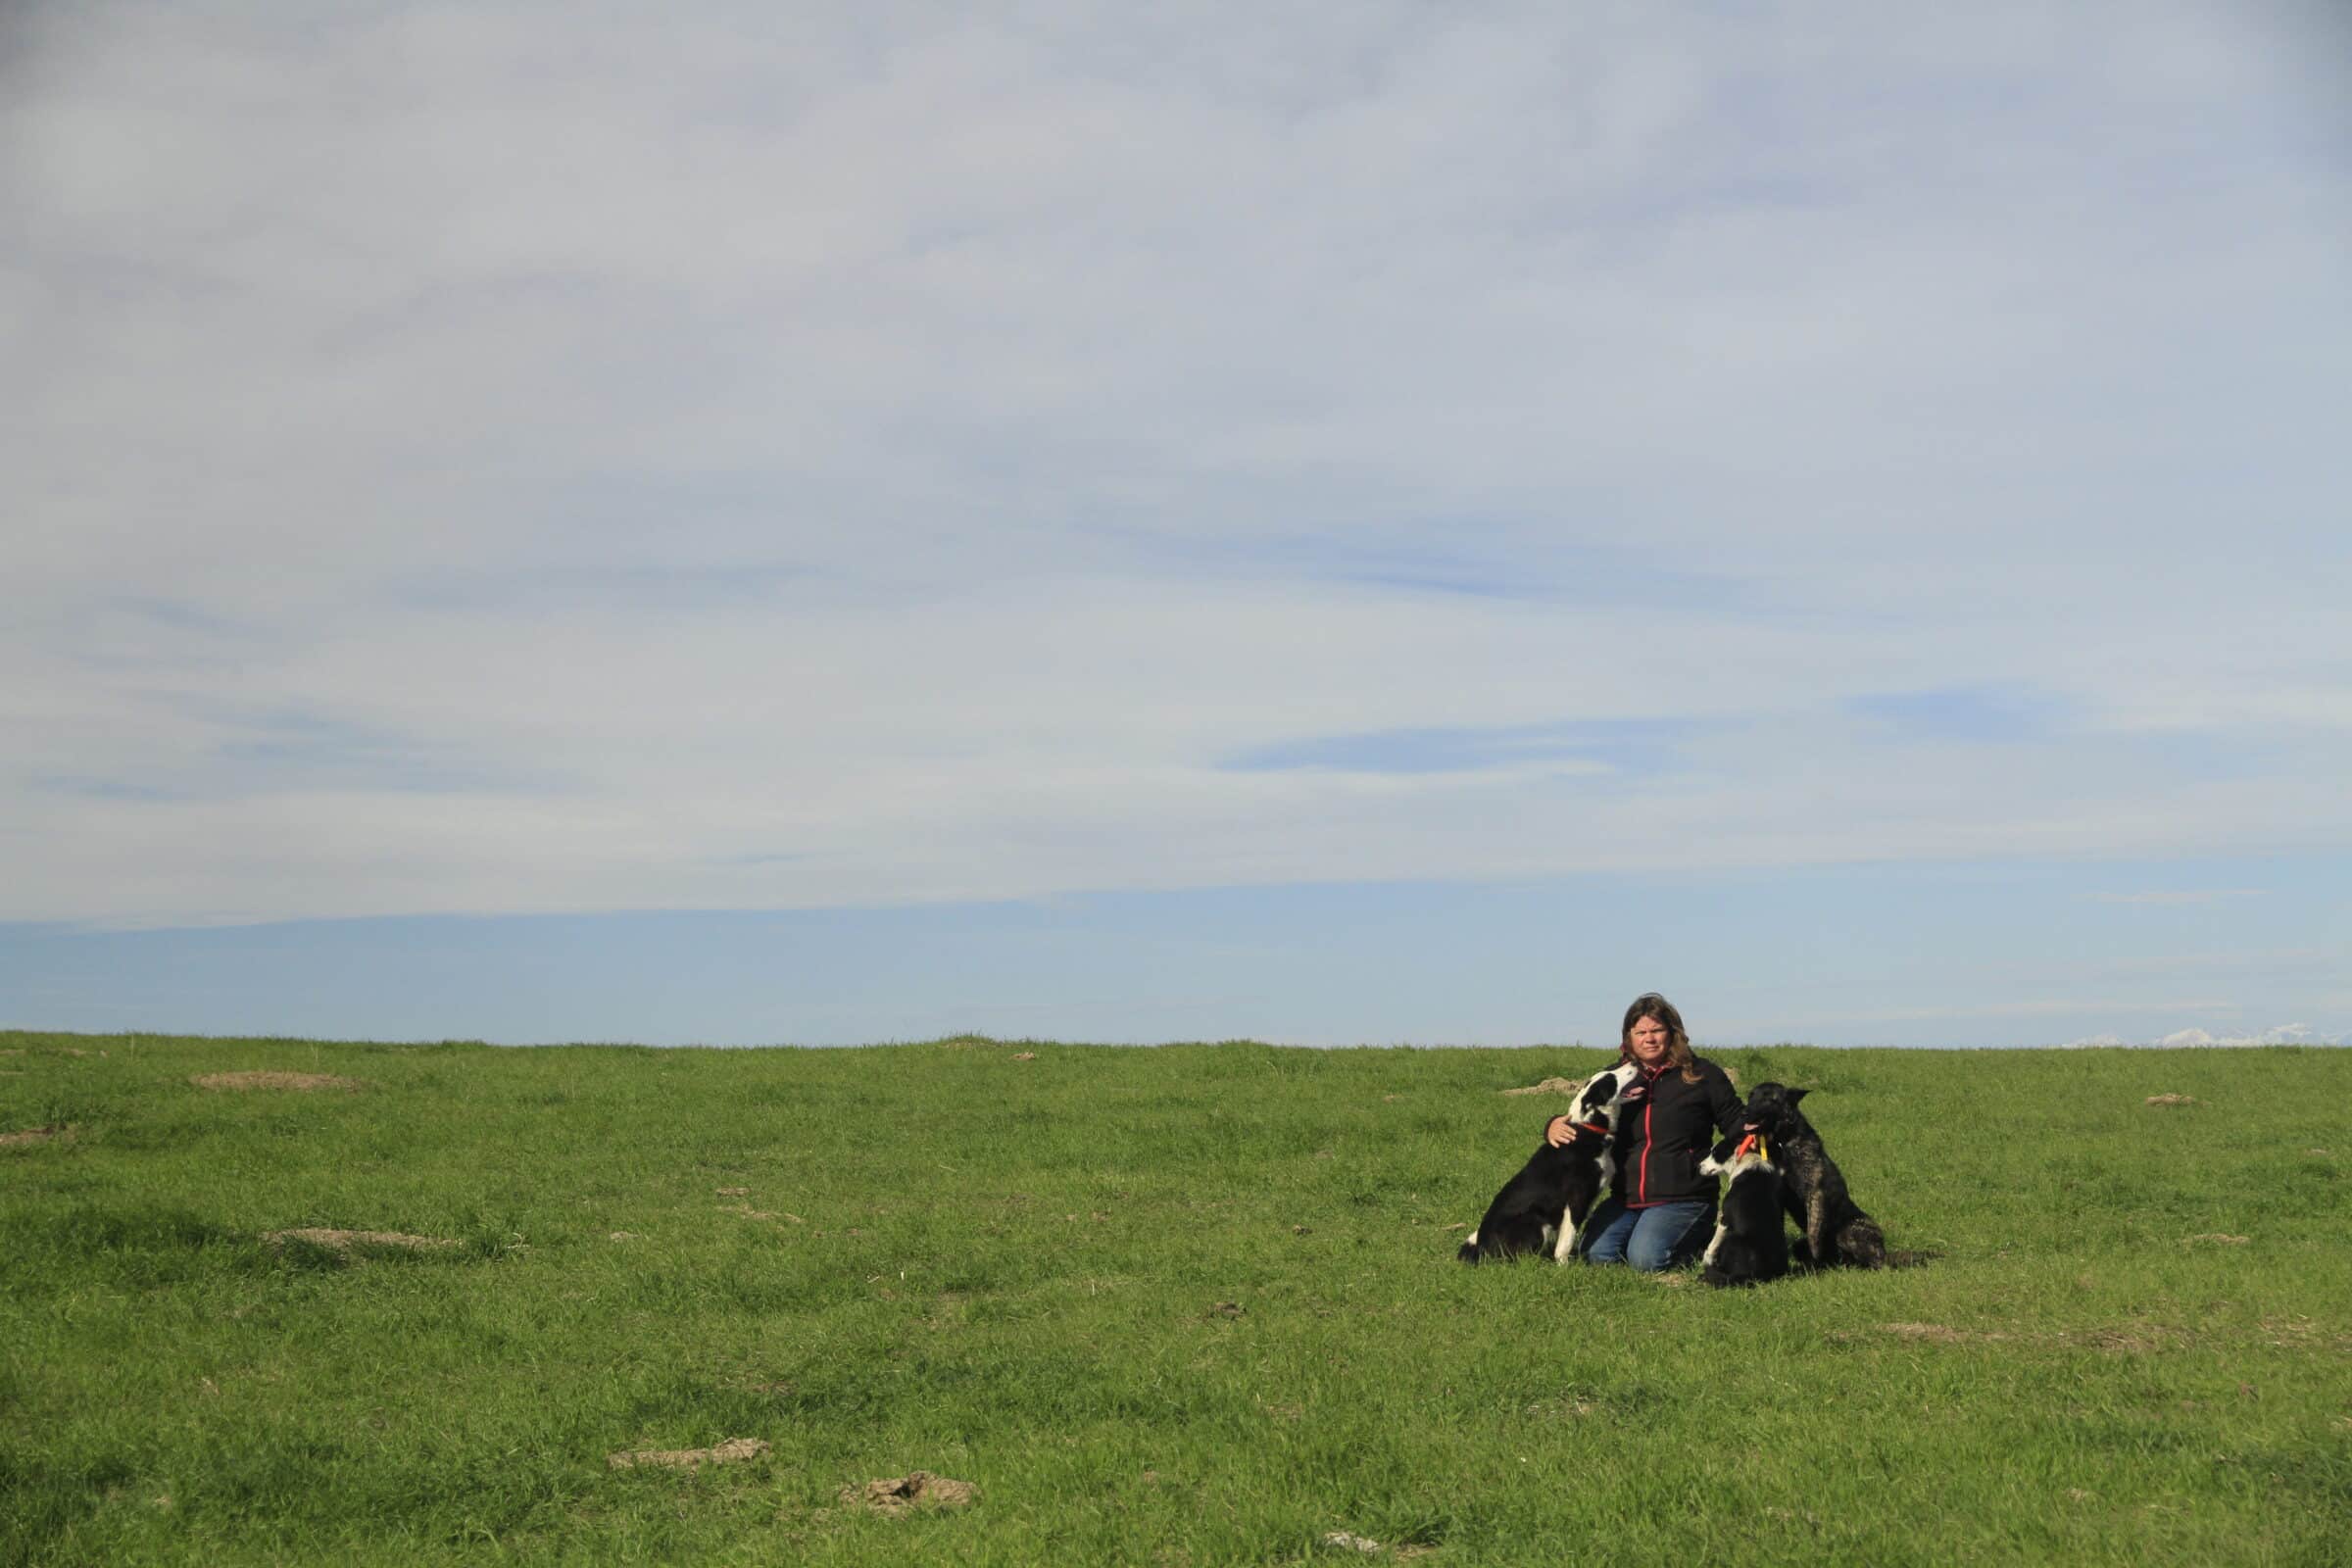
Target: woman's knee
(1650,1254)
(1606,1233)
(1658,1247)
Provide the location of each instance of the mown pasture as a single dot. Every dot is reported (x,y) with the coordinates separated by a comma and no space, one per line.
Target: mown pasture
(1185,1305)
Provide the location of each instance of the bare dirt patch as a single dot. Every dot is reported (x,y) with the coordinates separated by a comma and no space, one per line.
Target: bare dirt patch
(33,1134)
(898,1496)
(2223,1238)
(1565,1408)
(2299,1333)
(1549,1086)
(2140,1339)
(732,1451)
(1024,1056)
(1350,1541)
(244,1082)
(2172,1100)
(348,1241)
(1936,1332)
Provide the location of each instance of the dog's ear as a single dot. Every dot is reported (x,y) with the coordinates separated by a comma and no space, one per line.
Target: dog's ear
(1792,1096)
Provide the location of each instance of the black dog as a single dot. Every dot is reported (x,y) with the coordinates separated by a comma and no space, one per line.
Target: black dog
(1749,1245)
(1542,1207)
(1812,1188)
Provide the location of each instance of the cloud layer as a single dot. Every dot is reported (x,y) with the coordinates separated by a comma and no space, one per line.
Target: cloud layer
(2286,1034)
(533,460)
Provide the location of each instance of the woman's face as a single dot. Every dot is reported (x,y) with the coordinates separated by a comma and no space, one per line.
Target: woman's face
(1650,1041)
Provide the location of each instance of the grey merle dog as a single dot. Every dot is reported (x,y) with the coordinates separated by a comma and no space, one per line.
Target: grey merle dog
(1812,1188)
(1749,1245)
(1542,1207)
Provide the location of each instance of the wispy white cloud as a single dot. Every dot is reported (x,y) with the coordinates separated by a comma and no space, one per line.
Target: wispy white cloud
(2306,958)
(738,459)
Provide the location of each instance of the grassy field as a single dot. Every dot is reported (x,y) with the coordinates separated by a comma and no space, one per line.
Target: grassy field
(1191,1304)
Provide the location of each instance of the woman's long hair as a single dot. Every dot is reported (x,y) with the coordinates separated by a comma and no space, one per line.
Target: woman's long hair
(1649,1005)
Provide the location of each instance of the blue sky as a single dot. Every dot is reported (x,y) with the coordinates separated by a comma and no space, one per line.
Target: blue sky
(1345,524)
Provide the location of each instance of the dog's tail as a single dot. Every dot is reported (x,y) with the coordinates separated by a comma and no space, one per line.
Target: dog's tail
(1861,1244)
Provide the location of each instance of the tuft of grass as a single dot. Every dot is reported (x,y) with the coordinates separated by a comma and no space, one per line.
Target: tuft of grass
(1189,1305)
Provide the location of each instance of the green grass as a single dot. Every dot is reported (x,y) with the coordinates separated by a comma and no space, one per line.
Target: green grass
(1011,1272)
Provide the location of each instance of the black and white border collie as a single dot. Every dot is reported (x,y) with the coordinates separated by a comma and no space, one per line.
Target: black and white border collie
(1812,1187)
(1542,1207)
(1749,1245)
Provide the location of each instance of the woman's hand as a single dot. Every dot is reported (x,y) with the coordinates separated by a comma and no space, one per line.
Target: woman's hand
(1560,1132)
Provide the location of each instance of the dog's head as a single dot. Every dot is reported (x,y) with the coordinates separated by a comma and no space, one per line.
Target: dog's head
(1597,1100)
(1772,1110)
(1739,1155)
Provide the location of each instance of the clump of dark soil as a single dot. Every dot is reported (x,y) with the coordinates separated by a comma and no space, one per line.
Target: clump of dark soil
(732,1451)
(903,1495)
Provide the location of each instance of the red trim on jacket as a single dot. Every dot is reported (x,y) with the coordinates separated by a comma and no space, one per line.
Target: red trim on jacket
(1648,1107)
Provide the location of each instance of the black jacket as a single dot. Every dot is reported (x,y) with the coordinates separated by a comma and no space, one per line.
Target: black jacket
(1665,1128)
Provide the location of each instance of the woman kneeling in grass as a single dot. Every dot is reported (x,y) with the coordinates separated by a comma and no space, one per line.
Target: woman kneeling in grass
(1660,1210)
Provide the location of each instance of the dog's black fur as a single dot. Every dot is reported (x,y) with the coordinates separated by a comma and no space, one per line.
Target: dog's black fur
(1749,1245)
(1812,1188)
(1543,1206)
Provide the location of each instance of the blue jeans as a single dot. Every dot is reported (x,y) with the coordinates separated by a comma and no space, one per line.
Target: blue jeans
(1650,1239)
